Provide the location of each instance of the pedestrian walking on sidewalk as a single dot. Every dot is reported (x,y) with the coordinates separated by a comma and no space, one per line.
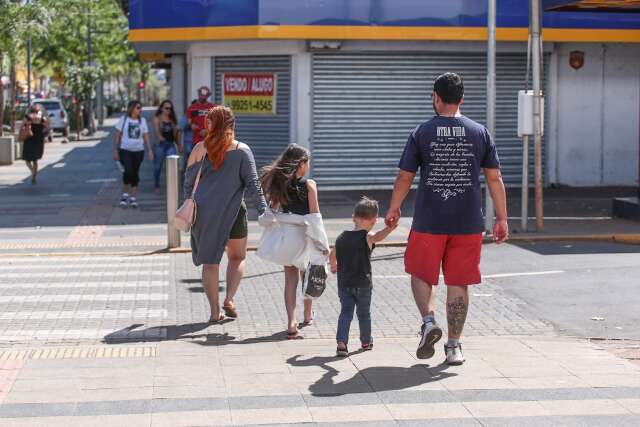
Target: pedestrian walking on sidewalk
(33,145)
(450,150)
(165,125)
(197,114)
(132,136)
(286,190)
(186,134)
(221,169)
(351,259)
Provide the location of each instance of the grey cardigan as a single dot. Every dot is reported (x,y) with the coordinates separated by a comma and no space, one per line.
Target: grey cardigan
(218,198)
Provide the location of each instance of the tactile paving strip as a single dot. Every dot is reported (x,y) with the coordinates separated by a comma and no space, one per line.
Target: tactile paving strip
(94,352)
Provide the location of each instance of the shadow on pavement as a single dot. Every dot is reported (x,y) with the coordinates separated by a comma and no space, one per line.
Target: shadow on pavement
(367,380)
(577,247)
(200,289)
(131,334)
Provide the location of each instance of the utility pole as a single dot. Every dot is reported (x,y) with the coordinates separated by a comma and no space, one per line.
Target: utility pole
(536,45)
(29,68)
(90,62)
(491,103)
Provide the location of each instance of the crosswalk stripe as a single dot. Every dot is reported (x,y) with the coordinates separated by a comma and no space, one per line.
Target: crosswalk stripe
(57,266)
(484,276)
(49,259)
(85,314)
(80,298)
(52,274)
(85,285)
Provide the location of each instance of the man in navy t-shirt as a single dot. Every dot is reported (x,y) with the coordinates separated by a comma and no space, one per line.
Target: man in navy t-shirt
(450,150)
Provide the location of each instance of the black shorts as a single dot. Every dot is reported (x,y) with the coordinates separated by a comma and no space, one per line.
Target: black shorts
(240,228)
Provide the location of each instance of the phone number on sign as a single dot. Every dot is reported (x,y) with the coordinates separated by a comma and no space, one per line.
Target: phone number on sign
(251,106)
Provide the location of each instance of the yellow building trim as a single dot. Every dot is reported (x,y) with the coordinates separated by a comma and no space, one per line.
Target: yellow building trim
(193,33)
(591,35)
(339,32)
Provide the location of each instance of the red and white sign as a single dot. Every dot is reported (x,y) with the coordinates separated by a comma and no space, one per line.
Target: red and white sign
(250,93)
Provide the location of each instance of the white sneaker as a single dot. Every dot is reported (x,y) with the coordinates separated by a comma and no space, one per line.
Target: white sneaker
(454,354)
(133,202)
(123,200)
(429,335)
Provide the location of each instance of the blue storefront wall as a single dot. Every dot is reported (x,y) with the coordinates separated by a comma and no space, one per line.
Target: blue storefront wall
(157,14)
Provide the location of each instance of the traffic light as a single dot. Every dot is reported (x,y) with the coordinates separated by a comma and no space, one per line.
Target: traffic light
(141,85)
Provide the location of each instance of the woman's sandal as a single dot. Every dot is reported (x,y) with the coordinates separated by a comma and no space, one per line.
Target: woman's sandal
(214,321)
(293,335)
(367,346)
(230,311)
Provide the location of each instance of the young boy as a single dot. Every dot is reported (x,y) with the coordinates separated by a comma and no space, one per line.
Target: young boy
(351,259)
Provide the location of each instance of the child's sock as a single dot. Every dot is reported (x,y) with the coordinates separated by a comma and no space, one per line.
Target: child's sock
(453,342)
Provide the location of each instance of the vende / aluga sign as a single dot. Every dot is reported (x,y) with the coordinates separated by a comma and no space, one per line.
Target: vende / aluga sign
(249,93)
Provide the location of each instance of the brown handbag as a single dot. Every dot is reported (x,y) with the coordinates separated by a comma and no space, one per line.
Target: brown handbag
(25,131)
(187,213)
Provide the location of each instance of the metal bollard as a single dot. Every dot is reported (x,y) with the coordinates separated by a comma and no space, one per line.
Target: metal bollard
(173,195)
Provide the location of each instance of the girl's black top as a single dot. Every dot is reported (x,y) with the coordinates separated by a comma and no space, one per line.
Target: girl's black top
(298,198)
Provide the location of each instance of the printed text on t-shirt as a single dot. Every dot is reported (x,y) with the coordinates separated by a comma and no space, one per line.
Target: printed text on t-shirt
(451,162)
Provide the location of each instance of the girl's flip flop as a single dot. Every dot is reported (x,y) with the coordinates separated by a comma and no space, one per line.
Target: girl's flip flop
(230,311)
(214,321)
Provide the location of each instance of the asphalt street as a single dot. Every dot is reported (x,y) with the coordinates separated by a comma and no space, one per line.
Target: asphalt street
(591,289)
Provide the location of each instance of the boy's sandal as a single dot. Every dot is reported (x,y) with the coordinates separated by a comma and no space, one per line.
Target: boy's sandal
(214,321)
(367,346)
(342,352)
(230,311)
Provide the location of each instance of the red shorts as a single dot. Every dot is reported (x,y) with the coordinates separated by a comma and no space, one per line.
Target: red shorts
(459,255)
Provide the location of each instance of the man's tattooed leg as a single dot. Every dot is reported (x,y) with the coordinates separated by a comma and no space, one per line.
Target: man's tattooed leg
(457,309)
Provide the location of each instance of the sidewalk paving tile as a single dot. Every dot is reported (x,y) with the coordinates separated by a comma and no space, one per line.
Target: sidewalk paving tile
(505,409)
(272,415)
(584,407)
(632,405)
(324,414)
(441,410)
(191,418)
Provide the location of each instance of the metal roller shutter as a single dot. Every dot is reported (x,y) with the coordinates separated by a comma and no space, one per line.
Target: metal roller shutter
(266,135)
(365,105)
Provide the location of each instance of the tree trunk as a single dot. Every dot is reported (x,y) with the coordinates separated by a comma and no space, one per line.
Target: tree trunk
(78,120)
(1,96)
(12,93)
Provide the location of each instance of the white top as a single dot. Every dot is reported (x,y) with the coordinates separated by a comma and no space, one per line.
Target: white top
(132,132)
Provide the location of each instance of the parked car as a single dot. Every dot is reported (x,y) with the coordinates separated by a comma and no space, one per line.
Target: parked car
(57,114)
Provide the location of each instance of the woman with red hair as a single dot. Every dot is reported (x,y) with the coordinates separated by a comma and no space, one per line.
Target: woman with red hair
(226,169)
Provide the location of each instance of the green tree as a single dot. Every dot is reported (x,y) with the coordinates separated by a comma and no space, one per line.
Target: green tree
(18,21)
(82,82)
(87,33)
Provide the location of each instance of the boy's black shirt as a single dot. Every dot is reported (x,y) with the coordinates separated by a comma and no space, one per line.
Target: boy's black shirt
(354,259)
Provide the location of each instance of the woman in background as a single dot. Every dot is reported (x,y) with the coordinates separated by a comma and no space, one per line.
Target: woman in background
(33,147)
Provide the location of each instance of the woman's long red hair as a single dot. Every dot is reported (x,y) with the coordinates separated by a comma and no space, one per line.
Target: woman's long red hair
(220,131)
